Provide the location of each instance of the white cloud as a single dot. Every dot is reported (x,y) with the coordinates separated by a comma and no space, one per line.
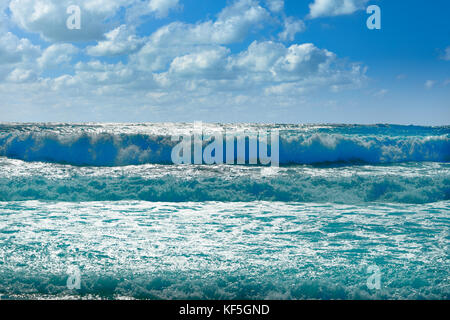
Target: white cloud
(232,25)
(48,17)
(303,59)
(279,63)
(57,55)
(14,50)
(16,57)
(96,73)
(273,62)
(180,67)
(162,7)
(20,75)
(210,63)
(267,66)
(446,55)
(106,7)
(292,26)
(275,5)
(156,8)
(260,57)
(429,84)
(119,41)
(323,8)
(263,67)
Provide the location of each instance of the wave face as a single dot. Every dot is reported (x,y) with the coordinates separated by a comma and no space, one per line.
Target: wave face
(420,182)
(121,145)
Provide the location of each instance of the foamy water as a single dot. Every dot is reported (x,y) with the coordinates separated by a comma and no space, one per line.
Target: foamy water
(106,200)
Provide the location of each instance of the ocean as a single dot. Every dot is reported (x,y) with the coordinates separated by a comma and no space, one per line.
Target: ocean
(99,211)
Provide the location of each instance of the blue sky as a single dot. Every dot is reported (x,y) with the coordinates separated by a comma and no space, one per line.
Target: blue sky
(292,61)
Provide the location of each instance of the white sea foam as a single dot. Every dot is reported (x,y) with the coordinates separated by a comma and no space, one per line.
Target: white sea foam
(246,250)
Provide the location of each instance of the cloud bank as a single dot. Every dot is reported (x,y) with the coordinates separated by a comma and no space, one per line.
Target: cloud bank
(110,66)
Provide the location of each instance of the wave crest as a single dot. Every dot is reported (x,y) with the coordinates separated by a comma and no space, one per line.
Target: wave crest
(109,149)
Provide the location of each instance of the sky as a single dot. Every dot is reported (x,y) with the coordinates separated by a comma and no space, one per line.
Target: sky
(271,61)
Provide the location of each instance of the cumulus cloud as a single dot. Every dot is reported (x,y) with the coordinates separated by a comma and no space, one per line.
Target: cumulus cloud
(323,8)
(265,66)
(162,7)
(180,66)
(14,50)
(17,58)
(19,75)
(98,73)
(275,5)
(48,17)
(210,63)
(57,55)
(232,25)
(292,26)
(119,41)
(278,63)
(154,8)
(302,60)
(260,57)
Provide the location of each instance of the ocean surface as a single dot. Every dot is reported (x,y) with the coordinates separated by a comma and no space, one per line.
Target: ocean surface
(348,204)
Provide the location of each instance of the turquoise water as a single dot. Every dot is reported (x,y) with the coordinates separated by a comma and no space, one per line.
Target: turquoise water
(105,200)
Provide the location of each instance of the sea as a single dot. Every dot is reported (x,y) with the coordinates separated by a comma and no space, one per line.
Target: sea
(99,211)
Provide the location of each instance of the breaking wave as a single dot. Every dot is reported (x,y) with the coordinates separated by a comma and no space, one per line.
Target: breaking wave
(408,183)
(83,147)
